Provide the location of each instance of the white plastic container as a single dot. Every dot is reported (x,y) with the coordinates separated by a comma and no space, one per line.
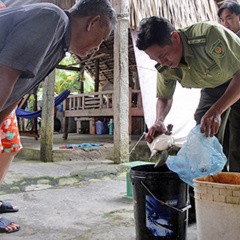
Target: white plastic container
(218,206)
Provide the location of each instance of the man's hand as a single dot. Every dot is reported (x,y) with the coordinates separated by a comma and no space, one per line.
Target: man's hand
(210,123)
(155,130)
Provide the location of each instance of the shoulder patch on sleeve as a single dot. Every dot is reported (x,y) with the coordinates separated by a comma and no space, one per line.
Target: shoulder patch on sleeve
(159,67)
(217,49)
(197,41)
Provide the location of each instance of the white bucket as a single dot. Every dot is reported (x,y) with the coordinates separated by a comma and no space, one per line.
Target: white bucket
(218,206)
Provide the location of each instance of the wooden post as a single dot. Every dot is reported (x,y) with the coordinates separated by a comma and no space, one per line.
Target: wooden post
(92,125)
(96,87)
(35,122)
(65,119)
(121,83)
(47,127)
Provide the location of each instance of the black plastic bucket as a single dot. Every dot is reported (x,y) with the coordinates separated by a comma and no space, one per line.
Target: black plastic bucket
(160,203)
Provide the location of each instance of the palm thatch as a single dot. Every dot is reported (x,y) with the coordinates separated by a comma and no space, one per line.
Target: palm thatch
(180,13)
(64,4)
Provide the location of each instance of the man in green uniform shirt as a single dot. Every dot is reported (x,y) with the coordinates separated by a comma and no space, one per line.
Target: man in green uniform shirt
(204,55)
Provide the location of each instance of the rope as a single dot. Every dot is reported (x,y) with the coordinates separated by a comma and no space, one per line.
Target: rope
(137,142)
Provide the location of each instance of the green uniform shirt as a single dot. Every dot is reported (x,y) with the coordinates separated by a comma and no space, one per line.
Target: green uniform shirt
(212,56)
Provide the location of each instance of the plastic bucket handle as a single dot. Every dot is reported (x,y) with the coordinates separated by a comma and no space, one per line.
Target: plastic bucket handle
(162,202)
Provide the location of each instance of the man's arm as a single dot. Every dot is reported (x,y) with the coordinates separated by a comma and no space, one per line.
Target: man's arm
(162,109)
(8,77)
(211,121)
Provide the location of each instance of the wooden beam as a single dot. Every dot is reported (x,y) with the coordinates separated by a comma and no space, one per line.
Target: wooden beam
(96,85)
(92,58)
(77,69)
(106,51)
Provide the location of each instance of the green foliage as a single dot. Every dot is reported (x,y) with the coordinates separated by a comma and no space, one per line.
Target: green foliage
(31,103)
(66,79)
(88,82)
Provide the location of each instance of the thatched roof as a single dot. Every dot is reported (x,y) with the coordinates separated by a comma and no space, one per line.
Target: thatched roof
(64,4)
(106,64)
(180,13)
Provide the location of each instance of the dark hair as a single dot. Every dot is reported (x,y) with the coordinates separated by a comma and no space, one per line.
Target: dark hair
(234,7)
(154,30)
(84,8)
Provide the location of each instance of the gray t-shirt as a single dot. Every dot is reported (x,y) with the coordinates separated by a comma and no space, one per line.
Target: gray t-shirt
(33,38)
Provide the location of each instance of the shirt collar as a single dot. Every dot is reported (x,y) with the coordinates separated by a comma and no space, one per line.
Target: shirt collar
(187,51)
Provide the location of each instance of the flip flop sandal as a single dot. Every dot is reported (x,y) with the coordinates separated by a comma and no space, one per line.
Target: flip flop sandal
(4,223)
(7,207)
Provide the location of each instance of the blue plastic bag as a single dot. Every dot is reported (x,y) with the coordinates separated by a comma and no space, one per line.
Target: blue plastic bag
(199,156)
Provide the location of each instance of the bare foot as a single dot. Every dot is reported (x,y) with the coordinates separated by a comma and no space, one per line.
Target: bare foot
(12,227)
(7,226)
(6,207)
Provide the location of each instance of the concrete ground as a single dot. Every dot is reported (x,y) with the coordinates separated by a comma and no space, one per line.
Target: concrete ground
(70,200)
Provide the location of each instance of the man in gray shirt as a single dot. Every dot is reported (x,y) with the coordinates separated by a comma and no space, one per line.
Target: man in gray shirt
(33,40)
